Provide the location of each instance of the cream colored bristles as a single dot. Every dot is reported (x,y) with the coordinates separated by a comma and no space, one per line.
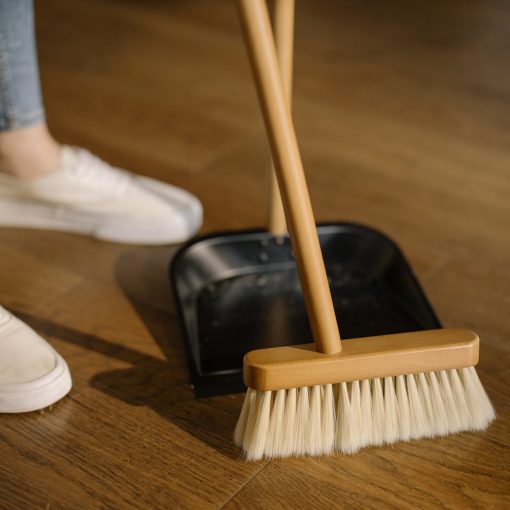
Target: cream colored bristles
(459,395)
(377,424)
(390,423)
(439,412)
(256,445)
(315,423)
(366,424)
(354,440)
(302,426)
(418,417)
(289,424)
(425,398)
(248,407)
(454,418)
(328,420)
(349,417)
(482,412)
(404,413)
(274,442)
(345,417)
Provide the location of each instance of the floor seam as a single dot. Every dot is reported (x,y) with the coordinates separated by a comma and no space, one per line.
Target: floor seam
(244,485)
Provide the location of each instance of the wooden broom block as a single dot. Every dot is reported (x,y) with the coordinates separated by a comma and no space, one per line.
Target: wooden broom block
(291,179)
(361,358)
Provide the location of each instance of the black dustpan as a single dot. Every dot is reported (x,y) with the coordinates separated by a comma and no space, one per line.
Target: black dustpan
(236,292)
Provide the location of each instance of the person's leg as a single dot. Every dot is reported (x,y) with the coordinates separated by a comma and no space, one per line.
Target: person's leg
(32,374)
(46,185)
(26,147)
(28,152)
(49,186)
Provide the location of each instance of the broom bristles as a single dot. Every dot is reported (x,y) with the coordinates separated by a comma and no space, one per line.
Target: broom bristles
(345,417)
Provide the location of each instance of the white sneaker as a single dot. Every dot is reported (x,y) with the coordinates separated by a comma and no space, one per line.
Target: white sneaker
(32,375)
(87,196)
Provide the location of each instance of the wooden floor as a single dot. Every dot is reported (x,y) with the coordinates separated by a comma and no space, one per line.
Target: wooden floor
(403,114)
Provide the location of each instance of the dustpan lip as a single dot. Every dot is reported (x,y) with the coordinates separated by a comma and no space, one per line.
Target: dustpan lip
(261,230)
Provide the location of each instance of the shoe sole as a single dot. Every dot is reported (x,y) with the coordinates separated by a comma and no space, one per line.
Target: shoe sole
(36,395)
(14,214)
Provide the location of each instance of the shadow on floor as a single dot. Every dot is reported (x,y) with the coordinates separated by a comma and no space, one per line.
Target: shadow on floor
(162,385)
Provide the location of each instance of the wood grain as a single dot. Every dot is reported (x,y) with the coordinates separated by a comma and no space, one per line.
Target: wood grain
(403,115)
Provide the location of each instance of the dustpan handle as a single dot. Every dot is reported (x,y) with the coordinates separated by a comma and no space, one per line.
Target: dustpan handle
(283,24)
(291,179)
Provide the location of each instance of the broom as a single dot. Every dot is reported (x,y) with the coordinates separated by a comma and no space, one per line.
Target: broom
(315,399)
(283,21)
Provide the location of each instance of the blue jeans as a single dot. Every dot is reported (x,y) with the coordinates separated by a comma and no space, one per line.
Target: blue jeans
(20,91)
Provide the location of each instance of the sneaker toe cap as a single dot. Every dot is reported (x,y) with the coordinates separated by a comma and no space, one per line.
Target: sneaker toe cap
(182,201)
(152,218)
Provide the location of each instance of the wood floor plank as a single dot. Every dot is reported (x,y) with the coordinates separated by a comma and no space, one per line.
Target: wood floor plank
(148,460)
(186,115)
(26,281)
(475,294)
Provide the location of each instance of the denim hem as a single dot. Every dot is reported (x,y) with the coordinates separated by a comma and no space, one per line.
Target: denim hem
(22,121)
(20,94)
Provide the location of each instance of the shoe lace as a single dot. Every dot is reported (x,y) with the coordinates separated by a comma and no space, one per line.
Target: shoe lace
(85,167)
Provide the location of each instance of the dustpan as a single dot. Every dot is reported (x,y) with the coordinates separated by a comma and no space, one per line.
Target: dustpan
(240,291)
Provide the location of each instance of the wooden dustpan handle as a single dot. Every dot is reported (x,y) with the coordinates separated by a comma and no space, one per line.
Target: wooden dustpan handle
(291,179)
(283,24)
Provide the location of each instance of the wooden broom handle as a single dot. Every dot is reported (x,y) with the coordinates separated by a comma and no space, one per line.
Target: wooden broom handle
(283,24)
(291,179)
